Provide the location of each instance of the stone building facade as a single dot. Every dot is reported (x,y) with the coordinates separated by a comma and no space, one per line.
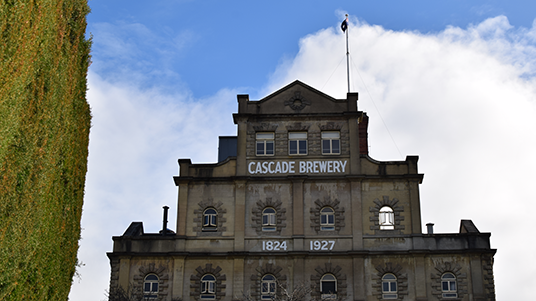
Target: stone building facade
(297,206)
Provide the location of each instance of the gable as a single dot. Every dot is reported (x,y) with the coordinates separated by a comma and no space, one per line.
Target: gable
(297,98)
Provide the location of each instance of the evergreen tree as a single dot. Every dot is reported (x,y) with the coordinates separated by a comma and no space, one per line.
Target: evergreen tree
(44,135)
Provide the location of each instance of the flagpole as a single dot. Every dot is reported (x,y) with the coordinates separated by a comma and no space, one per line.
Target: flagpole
(347,56)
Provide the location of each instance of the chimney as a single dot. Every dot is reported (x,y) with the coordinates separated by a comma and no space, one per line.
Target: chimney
(164,224)
(363,134)
(430,228)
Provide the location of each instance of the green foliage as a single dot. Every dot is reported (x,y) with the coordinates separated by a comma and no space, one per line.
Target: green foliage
(44,135)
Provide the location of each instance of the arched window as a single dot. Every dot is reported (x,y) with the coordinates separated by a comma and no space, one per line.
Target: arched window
(208,287)
(328,286)
(268,287)
(448,285)
(327,218)
(387,218)
(150,286)
(268,219)
(210,218)
(389,289)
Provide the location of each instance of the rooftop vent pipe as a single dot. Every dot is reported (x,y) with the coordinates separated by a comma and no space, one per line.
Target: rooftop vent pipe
(430,228)
(164,226)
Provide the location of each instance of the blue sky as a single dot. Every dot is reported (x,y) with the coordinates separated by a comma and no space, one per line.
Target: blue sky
(451,81)
(213,44)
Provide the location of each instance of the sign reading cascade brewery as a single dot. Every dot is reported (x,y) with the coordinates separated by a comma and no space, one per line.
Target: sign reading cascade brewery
(297,167)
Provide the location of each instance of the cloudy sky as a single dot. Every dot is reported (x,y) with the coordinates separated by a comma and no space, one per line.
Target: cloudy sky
(451,81)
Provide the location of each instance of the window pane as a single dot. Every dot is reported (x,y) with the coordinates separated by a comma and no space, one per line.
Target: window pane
(329,277)
(269,147)
(328,287)
(393,286)
(330,135)
(260,148)
(385,287)
(155,287)
(453,286)
(265,135)
(445,286)
(272,287)
(272,219)
(293,148)
(265,219)
(391,218)
(213,220)
(211,287)
(386,209)
(297,135)
(147,287)
(331,219)
(335,146)
(323,218)
(303,147)
(326,146)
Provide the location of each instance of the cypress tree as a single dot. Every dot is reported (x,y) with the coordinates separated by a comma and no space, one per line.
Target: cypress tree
(44,135)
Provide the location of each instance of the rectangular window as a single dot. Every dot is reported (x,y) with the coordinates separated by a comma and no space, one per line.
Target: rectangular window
(327,220)
(207,287)
(328,287)
(297,143)
(265,144)
(390,296)
(210,220)
(331,143)
(268,220)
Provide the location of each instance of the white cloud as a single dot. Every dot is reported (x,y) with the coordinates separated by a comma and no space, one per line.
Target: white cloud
(462,99)
(136,138)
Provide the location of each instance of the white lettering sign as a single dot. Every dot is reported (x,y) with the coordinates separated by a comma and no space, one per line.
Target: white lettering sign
(321,245)
(274,245)
(303,167)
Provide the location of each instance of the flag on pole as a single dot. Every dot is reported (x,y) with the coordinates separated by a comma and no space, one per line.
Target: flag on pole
(344,25)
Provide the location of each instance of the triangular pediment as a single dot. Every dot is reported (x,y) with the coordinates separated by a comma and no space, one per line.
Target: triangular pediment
(297,98)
